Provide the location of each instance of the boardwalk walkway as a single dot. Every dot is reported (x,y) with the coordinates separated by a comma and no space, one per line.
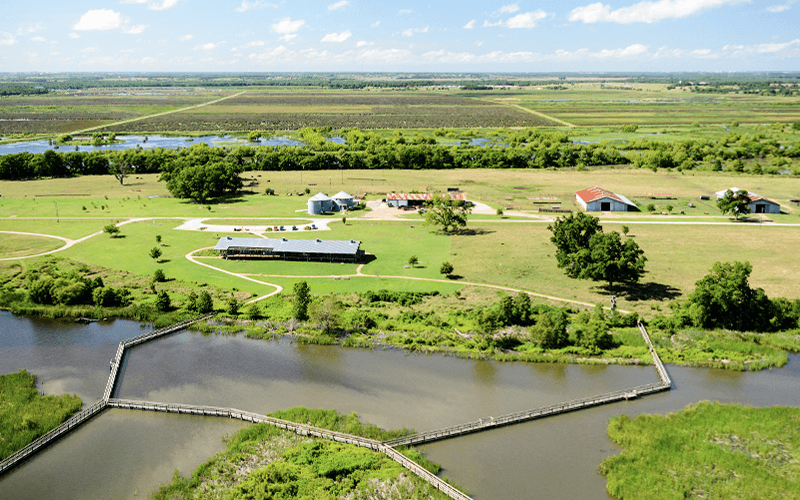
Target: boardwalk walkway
(664,384)
(386,447)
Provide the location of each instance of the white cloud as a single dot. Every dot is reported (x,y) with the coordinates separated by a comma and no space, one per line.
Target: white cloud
(781,7)
(507,9)
(38,39)
(287,27)
(364,43)
(487,24)
(74,35)
(33,28)
(527,20)
(89,50)
(135,30)
(338,5)
(99,20)
(258,4)
(645,12)
(186,38)
(375,24)
(209,46)
(336,37)
(257,43)
(288,37)
(469,25)
(134,1)
(766,48)
(162,5)
(405,11)
(411,31)
(7,39)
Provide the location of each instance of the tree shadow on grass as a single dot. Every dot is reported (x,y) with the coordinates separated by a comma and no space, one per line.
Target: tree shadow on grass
(454,277)
(472,232)
(642,291)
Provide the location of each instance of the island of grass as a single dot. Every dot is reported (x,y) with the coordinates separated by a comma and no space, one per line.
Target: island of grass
(263,461)
(708,450)
(25,414)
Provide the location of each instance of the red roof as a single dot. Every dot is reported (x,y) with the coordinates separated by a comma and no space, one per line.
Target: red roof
(595,193)
(422,196)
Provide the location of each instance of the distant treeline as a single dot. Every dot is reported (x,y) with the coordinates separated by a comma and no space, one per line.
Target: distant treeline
(36,84)
(363,150)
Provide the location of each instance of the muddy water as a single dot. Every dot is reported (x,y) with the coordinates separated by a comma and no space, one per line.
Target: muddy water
(124,454)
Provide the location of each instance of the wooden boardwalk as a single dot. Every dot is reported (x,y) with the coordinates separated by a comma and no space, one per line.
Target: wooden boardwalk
(386,447)
(302,429)
(84,415)
(486,423)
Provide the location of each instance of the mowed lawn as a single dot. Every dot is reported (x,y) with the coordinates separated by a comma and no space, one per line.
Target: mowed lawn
(522,256)
(18,245)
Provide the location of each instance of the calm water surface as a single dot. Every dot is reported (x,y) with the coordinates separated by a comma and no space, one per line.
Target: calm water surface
(124,453)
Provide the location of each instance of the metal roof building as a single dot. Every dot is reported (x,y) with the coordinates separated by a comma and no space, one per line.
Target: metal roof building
(595,199)
(418,199)
(286,249)
(758,204)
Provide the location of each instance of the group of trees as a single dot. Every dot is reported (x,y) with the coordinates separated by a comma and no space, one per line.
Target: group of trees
(724,299)
(584,251)
(445,213)
(74,289)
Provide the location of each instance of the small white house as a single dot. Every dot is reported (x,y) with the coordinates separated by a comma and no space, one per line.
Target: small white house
(595,199)
(758,204)
(343,200)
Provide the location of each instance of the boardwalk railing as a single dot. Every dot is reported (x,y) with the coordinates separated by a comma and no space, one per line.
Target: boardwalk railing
(96,408)
(424,473)
(664,384)
(523,416)
(662,372)
(68,425)
(303,429)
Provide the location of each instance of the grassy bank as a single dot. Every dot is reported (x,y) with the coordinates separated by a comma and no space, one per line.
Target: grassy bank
(263,461)
(25,414)
(708,450)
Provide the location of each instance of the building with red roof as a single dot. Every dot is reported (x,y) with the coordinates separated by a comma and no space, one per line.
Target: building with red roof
(595,199)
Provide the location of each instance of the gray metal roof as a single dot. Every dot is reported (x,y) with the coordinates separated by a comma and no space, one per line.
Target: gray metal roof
(285,245)
(319,197)
(341,195)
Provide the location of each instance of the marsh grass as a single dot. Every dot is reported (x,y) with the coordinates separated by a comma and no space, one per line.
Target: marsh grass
(707,450)
(25,414)
(262,457)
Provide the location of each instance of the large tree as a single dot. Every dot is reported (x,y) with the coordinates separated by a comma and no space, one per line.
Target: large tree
(734,203)
(612,260)
(447,214)
(203,182)
(724,299)
(571,236)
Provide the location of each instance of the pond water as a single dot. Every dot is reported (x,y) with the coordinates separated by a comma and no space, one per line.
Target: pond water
(551,458)
(151,142)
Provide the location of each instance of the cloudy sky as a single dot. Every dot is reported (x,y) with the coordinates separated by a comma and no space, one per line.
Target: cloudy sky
(406,35)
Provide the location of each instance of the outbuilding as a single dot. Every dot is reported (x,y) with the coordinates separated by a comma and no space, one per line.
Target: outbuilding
(290,249)
(595,199)
(758,204)
(418,199)
(343,200)
(319,204)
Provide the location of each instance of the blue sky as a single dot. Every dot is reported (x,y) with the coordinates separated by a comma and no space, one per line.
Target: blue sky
(400,36)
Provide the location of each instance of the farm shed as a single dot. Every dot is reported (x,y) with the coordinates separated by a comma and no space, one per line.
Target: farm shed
(343,200)
(418,199)
(595,199)
(758,204)
(286,249)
